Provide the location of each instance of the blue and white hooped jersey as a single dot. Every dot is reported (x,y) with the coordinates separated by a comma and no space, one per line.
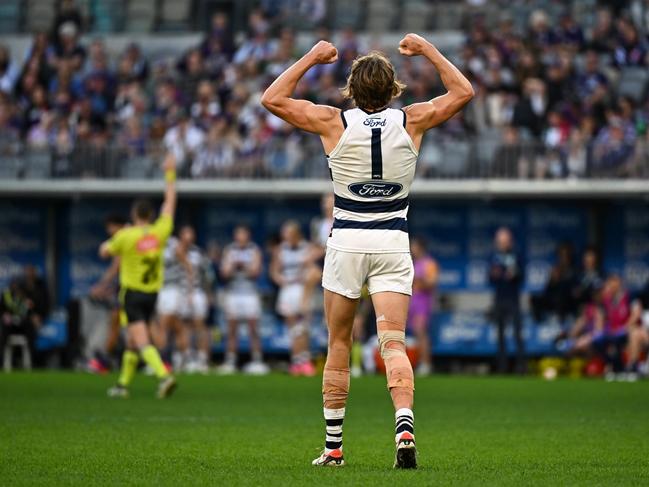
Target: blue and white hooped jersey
(372,168)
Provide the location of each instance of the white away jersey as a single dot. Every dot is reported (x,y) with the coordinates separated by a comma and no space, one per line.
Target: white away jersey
(372,168)
(293,260)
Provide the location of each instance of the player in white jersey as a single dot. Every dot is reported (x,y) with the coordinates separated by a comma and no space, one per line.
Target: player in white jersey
(183,303)
(372,153)
(170,303)
(240,267)
(196,302)
(288,267)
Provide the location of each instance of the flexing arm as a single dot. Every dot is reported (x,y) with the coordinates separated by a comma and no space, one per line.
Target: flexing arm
(170,195)
(302,114)
(426,115)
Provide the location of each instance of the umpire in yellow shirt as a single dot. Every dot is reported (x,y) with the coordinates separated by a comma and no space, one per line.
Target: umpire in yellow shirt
(140,248)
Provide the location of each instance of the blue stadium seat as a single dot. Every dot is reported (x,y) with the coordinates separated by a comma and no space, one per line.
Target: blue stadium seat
(9,16)
(107,15)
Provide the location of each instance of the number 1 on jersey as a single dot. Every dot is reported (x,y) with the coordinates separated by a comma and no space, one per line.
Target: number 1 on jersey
(377,157)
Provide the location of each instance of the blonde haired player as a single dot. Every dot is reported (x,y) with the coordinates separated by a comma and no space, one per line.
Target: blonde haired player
(372,152)
(140,248)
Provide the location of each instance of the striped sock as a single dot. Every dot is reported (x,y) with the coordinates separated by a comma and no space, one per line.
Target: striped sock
(405,422)
(334,423)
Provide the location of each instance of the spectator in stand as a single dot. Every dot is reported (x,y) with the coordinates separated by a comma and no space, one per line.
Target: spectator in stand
(258,47)
(603,34)
(193,71)
(629,51)
(218,45)
(612,150)
(529,112)
(569,32)
(506,278)
(9,133)
(508,158)
(68,13)
(611,341)
(67,48)
(217,157)
(591,85)
(8,71)
(206,107)
(184,140)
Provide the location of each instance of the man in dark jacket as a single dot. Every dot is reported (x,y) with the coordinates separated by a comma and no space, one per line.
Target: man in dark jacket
(506,277)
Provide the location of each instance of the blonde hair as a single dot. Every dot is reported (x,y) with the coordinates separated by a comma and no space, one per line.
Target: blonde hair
(372,81)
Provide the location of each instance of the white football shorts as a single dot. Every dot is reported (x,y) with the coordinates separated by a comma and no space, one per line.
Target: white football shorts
(242,306)
(345,273)
(289,300)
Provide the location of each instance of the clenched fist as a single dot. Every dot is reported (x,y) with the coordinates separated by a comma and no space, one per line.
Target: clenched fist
(413,45)
(324,52)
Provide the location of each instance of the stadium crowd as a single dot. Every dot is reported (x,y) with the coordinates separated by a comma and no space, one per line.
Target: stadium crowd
(554,99)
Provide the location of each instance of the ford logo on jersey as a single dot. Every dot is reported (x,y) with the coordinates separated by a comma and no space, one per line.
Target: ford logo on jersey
(375,190)
(375,122)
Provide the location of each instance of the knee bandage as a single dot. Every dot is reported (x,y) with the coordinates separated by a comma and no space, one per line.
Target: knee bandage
(392,345)
(335,387)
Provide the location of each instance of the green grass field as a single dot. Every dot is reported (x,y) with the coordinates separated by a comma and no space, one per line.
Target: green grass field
(60,429)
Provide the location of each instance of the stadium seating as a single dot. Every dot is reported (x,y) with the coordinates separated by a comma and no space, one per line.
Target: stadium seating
(106,15)
(348,14)
(39,14)
(415,15)
(633,83)
(10,16)
(174,15)
(140,15)
(13,342)
(380,15)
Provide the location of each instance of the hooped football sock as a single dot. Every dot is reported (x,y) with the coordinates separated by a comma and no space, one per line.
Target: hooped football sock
(334,428)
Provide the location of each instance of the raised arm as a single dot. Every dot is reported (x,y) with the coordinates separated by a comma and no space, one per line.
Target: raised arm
(170,195)
(426,115)
(304,114)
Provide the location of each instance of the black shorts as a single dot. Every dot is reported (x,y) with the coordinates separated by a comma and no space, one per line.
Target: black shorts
(137,306)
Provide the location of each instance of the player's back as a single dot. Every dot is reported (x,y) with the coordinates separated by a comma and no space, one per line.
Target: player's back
(372,168)
(140,249)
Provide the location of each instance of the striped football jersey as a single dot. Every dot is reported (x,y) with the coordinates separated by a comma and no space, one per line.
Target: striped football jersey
(372,168)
